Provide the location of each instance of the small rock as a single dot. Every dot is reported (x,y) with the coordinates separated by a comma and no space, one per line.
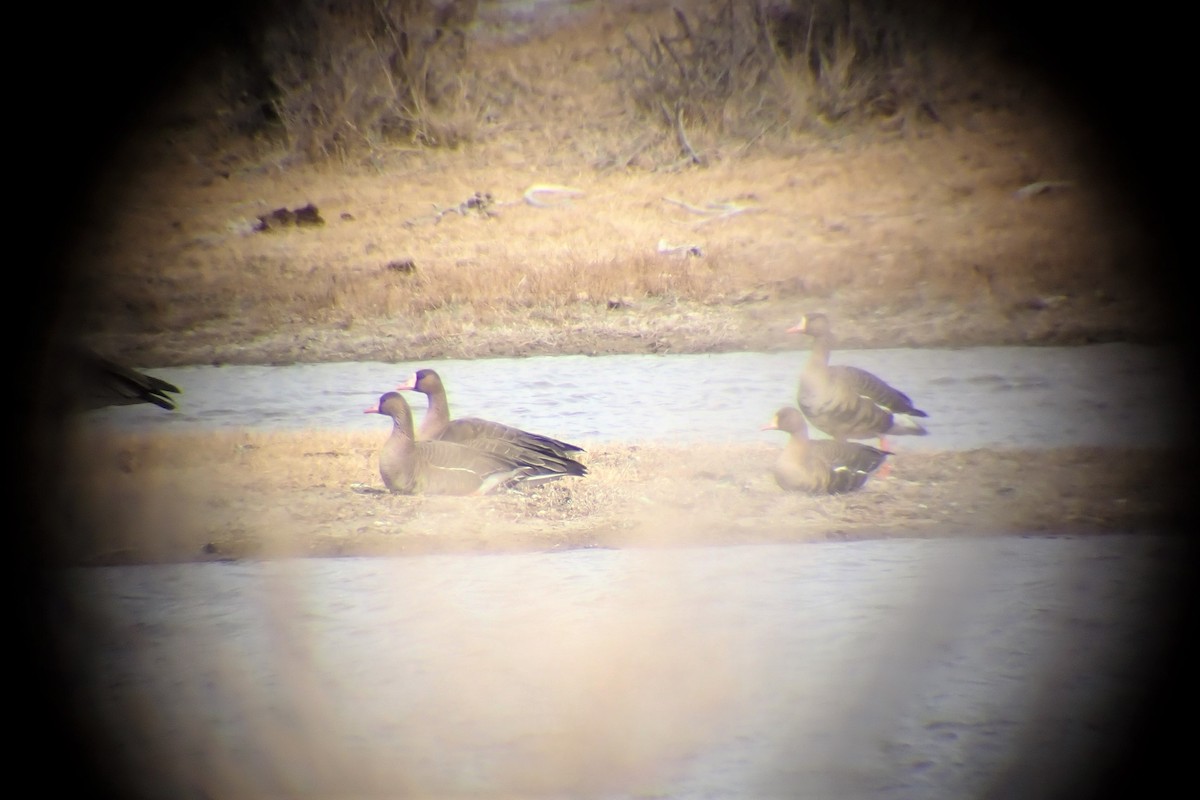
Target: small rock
(307,216)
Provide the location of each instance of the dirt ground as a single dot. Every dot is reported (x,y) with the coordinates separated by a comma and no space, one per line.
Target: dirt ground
(151,498)
(919,243)
(997,225)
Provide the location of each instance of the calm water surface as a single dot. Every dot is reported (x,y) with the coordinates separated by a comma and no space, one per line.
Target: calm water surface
(1113,394)
(884,669)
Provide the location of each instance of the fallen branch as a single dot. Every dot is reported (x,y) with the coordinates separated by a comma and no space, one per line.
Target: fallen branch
(680,134)
(1041,187)
(679,249)
(481,203)
(533,194)
(714,210)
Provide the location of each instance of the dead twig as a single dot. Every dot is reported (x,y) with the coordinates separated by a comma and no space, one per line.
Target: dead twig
(686,250)
(480,203)
(533,195)
(1041,187)
(640,144)
(714,210)
(676,121)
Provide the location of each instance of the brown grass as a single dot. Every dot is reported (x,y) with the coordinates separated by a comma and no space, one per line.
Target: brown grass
(755,71)
(911,237)
(344,78)
(878,234)
(170,497)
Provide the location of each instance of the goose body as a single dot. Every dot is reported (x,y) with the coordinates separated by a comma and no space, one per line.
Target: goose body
(476,432)
(823,466)
(408,466)
(847,402)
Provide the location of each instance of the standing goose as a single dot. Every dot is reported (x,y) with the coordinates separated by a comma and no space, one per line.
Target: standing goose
(89,381)
(824,466)
(848,402)
(438,467)
(471,430)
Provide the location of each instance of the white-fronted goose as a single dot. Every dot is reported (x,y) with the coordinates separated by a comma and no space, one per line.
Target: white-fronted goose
(470,430)
(91,381)
(438,467)
(823,466)
(848,402)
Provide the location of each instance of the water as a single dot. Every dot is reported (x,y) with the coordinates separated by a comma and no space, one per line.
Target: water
(832,670)
(1112,394)
(880,669)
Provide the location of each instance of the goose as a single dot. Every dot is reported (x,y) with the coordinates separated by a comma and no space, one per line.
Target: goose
(848,402)
(823,466)
(90,381)
(408,466)
(469,430)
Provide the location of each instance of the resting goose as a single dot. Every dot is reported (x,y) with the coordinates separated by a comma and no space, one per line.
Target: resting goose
(848,402)
(823,466)
(469,430)
(438,467)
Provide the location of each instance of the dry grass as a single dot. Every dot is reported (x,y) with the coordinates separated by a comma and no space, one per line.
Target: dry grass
(914,238)
(344,78)
(753,71)
(350,78)
(158,497)
(883,232)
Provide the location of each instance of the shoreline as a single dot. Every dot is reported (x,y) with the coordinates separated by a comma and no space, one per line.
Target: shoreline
(697,330)
(228,496)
